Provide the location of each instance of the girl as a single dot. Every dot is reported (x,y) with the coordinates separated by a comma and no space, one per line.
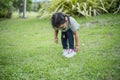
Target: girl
(68,27)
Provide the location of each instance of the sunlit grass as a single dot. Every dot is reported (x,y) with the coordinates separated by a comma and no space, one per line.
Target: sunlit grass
(29,15)
(28,51)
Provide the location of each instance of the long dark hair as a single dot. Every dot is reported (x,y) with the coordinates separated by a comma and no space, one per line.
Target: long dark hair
(58,18)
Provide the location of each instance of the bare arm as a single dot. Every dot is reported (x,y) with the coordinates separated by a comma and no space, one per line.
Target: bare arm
(55,36)
(76,40)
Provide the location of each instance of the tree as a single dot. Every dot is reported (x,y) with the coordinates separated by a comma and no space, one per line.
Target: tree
(5,8)
(24,11)
(19,5)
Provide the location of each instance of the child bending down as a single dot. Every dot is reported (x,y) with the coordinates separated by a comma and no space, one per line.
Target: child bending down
(69,30)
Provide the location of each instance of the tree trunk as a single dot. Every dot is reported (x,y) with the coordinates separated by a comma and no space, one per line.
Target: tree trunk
(24,9)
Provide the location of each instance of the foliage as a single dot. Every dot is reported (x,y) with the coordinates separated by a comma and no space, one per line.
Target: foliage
(110,6)
(18,4)
(36,6)
(84,7)
(113,5)
(5,8)
(44,9)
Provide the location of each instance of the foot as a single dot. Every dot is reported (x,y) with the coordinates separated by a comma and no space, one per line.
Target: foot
(65,52)
(71,53)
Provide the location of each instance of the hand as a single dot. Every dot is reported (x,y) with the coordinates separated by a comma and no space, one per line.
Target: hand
(76,48)
(56,40)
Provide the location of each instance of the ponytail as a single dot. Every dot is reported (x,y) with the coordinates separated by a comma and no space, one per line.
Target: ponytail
(68,17)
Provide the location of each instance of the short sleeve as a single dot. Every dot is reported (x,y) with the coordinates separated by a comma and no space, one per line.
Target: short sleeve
(74,24)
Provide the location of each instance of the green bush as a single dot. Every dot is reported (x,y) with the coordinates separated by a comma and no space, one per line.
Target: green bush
(5,9)
(112,5)
(83,7)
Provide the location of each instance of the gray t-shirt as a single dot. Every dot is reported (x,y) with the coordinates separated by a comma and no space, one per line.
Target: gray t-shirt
(73,25)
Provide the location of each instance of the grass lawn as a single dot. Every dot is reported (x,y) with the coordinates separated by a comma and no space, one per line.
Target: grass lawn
(28,51)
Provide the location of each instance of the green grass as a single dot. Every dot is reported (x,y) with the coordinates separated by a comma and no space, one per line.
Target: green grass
(28,51)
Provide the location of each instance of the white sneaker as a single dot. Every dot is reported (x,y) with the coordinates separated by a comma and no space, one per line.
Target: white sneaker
(65,52)
(71,53)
